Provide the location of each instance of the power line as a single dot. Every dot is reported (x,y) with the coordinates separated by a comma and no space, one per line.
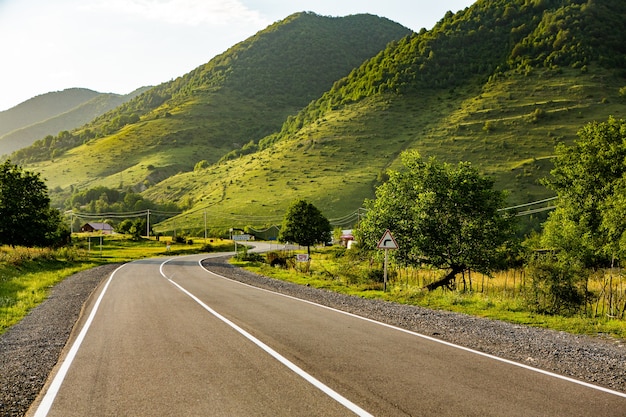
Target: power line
(527,212)
(532,203)
(339,221)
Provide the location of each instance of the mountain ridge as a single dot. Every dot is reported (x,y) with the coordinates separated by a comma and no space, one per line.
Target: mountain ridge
(63,115)
(513,110)
(42,107)
(202,116)
(494,84)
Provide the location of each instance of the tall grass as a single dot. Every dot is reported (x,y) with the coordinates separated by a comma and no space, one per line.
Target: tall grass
(28,274)
(505,295)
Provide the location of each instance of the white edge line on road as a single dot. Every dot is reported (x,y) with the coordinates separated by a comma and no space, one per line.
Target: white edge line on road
(432,339)
(46,403)
(309,378)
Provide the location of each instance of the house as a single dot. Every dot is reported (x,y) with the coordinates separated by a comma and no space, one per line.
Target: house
(92,227)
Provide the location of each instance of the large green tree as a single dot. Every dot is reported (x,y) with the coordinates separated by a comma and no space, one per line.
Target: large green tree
(442,215)
(26,217)
(305,225)
(589,178)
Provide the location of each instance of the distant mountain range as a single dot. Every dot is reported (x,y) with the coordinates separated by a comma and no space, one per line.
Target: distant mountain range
(319,108)
(51,113)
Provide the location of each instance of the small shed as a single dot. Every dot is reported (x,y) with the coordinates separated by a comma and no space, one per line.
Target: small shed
(92,227)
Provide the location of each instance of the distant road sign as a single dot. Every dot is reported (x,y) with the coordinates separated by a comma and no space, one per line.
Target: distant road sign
(302,257)
(387,241)
(241,237)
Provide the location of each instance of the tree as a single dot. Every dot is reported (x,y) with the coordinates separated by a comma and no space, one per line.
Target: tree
(589,178)
(26,217)
(305,225)
(441,215)
(124,226)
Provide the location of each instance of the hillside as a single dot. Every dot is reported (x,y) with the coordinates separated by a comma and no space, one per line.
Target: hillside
(498,84)
(236,98)
(52,113)
(43,107)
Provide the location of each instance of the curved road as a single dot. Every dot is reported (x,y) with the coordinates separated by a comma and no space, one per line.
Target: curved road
(165,337)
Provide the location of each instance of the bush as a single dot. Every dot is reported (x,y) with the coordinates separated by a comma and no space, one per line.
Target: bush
(557,287)
(246,256)
(376,275)
(278,259)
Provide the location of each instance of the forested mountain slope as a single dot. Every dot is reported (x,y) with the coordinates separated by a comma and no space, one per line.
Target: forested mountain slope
(238,97)
(497,84)
(51,113)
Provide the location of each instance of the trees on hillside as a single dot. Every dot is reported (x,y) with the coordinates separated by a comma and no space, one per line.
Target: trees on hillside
(26,217)
(441,215)
(590,180)
(305,225)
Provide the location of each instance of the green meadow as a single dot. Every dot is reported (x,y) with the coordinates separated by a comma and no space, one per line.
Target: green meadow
(28,274)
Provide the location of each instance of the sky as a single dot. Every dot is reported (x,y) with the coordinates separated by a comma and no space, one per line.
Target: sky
(117,46)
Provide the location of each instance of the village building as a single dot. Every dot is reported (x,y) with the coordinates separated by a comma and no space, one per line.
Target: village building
(93,227)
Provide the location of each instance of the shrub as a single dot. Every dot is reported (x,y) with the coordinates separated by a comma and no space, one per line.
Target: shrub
(557,287)
(278,259)
(246,256)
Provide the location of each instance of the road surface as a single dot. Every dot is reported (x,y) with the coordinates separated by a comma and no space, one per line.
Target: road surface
(164,337)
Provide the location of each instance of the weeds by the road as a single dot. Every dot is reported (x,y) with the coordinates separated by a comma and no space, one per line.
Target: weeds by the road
(504,296)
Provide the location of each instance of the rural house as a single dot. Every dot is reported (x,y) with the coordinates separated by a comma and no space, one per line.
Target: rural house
(104,228)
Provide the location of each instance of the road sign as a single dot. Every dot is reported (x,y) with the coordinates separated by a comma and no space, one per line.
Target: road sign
(302,257)
(387,241)
(241,238)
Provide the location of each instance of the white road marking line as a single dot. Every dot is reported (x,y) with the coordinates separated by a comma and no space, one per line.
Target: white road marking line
(432,339)
(299,371)
(46,403)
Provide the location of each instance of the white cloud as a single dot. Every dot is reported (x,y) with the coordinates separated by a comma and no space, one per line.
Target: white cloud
(181,12)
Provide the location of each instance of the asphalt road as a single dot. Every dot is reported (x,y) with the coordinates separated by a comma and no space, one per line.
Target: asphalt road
(164,337)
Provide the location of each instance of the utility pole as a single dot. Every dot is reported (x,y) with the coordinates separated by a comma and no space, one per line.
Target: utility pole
(148,225)
(205,226)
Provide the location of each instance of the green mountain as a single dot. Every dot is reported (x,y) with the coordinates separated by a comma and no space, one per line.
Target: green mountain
(52,113)
(235,99)
(497,84)
(43,107)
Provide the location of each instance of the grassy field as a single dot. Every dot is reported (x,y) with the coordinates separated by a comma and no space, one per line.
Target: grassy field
(501,297)
(27,274)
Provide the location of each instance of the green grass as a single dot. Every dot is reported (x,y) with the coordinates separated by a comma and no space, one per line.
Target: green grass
(24,287)
(501,297)
(27,275)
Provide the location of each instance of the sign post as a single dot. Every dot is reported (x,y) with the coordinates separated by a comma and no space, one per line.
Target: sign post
(386,242)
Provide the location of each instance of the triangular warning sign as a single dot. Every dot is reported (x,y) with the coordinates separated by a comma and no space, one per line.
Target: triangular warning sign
(387,241)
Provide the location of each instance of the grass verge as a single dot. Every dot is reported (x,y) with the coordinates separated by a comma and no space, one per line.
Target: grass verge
(27,275)
(501,297)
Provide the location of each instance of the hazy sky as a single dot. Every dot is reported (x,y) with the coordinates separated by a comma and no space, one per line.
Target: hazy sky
(120,45)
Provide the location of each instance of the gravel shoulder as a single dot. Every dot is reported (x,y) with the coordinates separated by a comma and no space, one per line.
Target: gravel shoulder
(29,350)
